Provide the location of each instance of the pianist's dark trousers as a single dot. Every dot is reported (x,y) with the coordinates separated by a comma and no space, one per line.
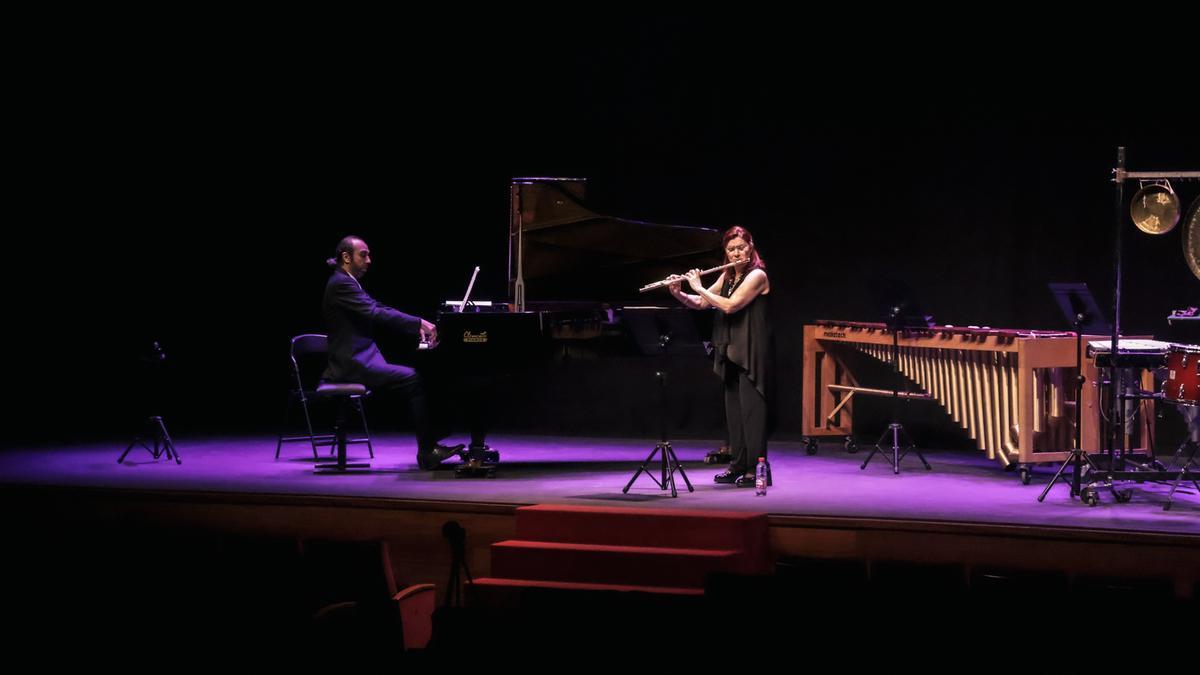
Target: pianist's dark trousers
(746,415)
(401,381)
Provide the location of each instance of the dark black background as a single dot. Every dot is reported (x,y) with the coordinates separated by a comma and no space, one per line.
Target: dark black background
(186,185)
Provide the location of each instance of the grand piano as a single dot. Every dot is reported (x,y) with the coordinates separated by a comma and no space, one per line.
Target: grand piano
(571,271)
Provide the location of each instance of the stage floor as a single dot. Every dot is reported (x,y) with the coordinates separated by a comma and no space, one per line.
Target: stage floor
(962,487)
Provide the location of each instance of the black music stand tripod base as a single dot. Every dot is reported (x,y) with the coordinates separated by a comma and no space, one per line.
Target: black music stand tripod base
(157,434)
(670,464)
(899,452)
(1076,460)
(1183,471)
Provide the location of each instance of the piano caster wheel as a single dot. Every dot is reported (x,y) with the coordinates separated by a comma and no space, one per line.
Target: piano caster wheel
(810,446)
(1090,497)
(851,445)
(475,468)
(1026,475)
(1123,496)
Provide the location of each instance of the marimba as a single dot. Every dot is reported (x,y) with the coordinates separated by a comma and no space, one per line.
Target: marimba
(1011,390)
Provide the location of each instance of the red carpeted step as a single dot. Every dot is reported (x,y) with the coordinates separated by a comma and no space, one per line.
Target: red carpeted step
(667,528)
(496,593)
(605,564)
(579,586)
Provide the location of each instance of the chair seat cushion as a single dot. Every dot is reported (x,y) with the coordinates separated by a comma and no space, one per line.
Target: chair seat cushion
(340,389)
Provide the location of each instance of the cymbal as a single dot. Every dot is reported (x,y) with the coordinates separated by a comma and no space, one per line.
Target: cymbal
(1155,209)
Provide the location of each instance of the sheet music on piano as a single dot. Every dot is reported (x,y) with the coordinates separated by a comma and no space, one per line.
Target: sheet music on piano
(457,305)
(470,285)
(461,306)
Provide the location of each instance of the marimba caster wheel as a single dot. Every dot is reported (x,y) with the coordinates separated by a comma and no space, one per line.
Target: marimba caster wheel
(1123,496)
(810,446)
(851,445)
(1026,475)
(1090,497)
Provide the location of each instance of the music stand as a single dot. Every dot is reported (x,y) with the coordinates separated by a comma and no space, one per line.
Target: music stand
(1074,299)
(902,316)
(1081,311)
(663,331)
(155,429)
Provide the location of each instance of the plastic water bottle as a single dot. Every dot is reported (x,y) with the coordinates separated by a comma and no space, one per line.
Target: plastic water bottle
(760,477)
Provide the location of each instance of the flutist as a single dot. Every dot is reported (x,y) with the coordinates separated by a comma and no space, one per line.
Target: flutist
(742,347)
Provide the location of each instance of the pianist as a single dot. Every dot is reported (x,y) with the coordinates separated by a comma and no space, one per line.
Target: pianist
(353,319)
(742,348)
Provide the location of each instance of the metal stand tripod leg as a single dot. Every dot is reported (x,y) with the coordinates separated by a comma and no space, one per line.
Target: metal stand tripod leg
(163,445)
(899,452)
(1183,471)
(1076,460)
(669,465)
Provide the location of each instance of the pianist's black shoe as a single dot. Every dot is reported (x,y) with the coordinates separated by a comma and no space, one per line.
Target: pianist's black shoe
(728,478)
(428,461)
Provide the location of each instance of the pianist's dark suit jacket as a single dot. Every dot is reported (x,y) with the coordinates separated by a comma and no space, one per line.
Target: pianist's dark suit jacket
(353,318)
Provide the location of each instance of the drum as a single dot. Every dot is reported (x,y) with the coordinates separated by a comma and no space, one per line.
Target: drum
(1183,375)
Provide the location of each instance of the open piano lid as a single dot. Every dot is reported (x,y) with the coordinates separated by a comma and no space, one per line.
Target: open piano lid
(565,250)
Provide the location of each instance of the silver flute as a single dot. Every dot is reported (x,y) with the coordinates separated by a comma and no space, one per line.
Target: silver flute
(669,280)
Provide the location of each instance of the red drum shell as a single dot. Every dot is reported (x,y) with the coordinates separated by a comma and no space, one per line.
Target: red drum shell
(1183,375)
